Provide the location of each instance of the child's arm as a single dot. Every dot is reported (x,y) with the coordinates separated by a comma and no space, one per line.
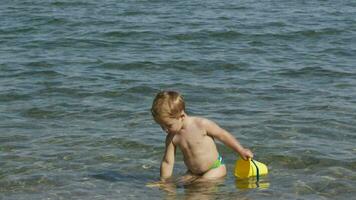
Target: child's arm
(216,131)
(168,159)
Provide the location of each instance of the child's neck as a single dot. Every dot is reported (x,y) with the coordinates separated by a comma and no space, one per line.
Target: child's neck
(186,121)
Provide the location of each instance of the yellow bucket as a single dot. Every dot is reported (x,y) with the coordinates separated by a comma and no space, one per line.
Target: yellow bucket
(249,168)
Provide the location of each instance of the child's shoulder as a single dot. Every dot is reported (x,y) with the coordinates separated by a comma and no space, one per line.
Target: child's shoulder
(200,121)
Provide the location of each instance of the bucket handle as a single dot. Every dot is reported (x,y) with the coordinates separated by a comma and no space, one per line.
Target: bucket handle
(258,173)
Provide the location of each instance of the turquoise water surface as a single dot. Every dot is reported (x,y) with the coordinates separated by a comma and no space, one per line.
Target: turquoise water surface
(77,79)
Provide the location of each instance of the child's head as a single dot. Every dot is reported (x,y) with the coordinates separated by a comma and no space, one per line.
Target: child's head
(167,105)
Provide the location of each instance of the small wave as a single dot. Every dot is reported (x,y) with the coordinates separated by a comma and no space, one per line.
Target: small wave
(201,66)
(40,113)
(128,66)
(40,73)
(121,143)
(68,42)
(71,3)
(40,64)
(339,52)
(12,138)
(142,89)
(225,34)
(65,91)
(276,24)
(284,88)
(121,34)
(14,96)
(135,12)
(21,73)
(221,35)
(116,114)
(320,32)
(56,21)
(15,31)
(258,43)
(307,161)
(313,71)
(343,85)
(109,94)
(301,33)
(232,7)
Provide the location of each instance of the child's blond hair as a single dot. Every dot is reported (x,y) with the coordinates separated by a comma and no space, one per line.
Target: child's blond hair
(167,104)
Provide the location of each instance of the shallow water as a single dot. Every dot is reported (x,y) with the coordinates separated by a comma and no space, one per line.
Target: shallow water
(77,79)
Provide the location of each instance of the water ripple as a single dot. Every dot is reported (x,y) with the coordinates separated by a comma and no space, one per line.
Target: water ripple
(314,71)
(77,79)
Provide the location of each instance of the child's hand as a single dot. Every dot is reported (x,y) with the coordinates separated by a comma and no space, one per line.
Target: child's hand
(246,154)
(155,184)
(167,186)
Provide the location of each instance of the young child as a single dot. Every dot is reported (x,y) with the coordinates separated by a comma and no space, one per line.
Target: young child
(194,136)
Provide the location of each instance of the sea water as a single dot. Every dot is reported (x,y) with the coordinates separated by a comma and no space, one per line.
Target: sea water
(77,79)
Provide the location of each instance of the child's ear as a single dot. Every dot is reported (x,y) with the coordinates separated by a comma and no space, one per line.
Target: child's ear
(182,115)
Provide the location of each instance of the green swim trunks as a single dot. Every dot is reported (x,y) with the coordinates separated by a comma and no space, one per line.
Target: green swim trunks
(217,163)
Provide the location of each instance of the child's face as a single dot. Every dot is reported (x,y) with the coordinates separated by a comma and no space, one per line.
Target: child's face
(171,125)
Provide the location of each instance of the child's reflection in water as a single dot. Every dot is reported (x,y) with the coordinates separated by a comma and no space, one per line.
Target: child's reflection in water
(194,188)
